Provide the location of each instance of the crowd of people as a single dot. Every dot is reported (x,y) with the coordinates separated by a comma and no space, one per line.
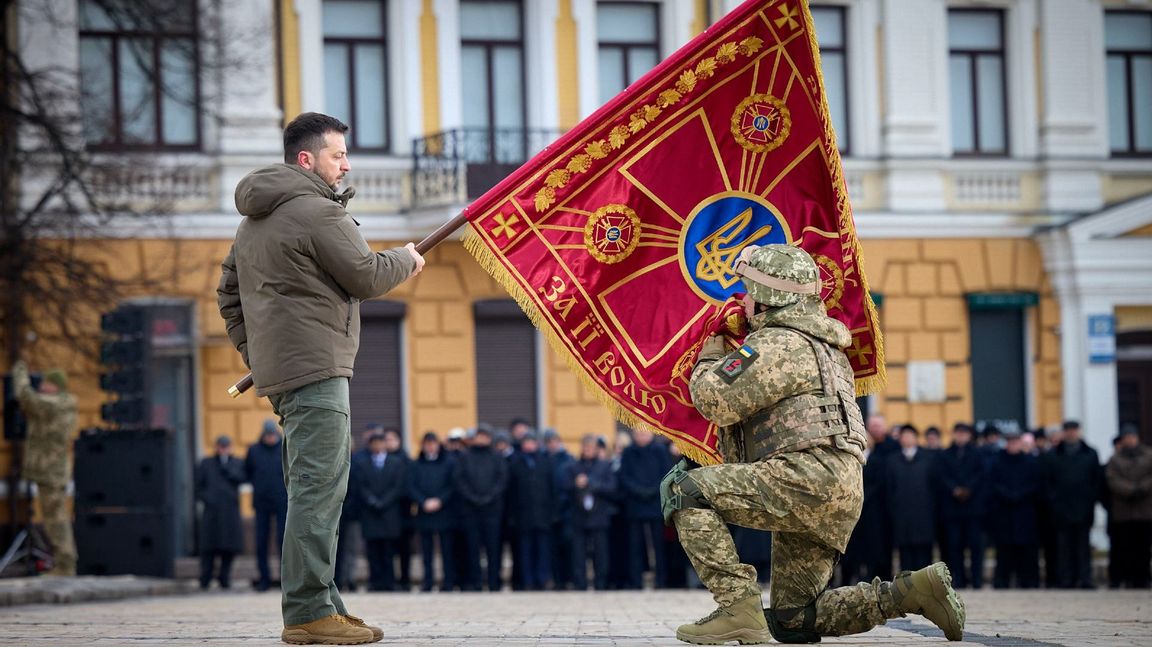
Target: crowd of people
(1029,495)
(473,498)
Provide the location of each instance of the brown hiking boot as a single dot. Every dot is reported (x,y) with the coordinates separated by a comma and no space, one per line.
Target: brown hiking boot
(929,593)
(330,630)
(377,632)
(743,622)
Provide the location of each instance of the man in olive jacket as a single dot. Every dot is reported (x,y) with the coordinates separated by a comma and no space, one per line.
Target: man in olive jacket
(289,295)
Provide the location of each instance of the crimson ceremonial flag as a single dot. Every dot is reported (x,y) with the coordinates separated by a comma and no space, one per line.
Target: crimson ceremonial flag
(619,240)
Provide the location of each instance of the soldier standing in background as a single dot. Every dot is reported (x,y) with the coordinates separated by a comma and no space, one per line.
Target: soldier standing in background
(793,440)
(51,415)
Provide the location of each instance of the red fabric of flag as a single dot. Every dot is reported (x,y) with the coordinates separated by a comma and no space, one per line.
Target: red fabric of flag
(619,240)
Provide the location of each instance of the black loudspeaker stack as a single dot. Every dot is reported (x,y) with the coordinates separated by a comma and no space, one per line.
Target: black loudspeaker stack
(123,502)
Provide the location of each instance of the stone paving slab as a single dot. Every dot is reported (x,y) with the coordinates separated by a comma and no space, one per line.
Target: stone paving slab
(62,590)
(996,619)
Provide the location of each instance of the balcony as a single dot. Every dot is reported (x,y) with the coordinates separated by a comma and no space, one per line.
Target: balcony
(459,165)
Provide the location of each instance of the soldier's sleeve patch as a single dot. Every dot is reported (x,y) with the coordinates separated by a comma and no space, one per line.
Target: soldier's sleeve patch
(732,366)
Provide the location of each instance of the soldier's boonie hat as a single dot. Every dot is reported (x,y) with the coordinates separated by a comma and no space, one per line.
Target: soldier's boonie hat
(777,275)
(57,377)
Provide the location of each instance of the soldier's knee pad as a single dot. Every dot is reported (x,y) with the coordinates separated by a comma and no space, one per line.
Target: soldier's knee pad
(805,634)
(678,491)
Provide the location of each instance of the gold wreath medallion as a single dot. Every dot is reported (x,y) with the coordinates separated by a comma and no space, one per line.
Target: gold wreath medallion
(831,281)
(761,123)
(612,233)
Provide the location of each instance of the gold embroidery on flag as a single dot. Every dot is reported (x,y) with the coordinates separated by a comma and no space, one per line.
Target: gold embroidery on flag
(612,233)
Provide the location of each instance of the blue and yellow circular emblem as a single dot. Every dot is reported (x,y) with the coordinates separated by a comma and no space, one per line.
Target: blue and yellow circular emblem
(716,231)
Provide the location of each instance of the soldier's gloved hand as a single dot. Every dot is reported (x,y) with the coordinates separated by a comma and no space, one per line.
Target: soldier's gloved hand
(668,503)
(713,348)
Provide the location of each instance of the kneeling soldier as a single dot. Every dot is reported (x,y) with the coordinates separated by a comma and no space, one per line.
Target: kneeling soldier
(792,438)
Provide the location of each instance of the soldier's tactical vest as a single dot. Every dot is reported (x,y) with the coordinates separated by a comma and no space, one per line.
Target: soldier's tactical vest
(805,421)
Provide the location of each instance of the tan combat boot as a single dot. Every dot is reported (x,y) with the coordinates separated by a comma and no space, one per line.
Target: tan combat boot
(929,592)
(743,622)
(330,630)
(377,632)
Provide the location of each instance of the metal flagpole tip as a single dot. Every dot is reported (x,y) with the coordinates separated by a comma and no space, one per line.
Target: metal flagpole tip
(234,391)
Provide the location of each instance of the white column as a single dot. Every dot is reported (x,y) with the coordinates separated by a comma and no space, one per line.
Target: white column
(1074,94)
(864,89)
(584,11)
(448,43)
(915,123)
(241,83)
(247,101)
(541,90)
(916,78)
(1101,415)
(310,18)
(405,87)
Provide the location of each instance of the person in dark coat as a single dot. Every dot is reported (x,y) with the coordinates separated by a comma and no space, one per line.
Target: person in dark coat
(561,535)
(869,552)
(962,478)
(910,500)
(1014,484)
(531,484)
(591,483)
(642,467)
(218,480)
(481,478)
(349,537)
(264,469)
(383,488)
(1072,478)
(395,448)
(430,488)
(1129,479)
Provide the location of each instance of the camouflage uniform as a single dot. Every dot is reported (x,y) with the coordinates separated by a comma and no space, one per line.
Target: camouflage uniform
(792,440)
(51,427)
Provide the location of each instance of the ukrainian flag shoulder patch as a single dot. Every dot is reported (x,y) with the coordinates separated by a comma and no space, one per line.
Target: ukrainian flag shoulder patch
(738,361)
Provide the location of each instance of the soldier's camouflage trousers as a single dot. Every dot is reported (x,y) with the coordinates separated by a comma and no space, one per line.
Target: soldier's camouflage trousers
(810,501)
(58,528)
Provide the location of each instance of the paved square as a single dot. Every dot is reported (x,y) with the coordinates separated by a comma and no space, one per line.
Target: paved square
(1009,618)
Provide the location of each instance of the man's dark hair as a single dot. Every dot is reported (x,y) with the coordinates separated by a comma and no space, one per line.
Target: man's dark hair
(306,133)
(910,428)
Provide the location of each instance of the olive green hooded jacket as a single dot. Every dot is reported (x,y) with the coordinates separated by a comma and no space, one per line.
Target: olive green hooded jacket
(292,283)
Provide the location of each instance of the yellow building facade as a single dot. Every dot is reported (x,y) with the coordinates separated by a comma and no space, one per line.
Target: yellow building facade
(942,232)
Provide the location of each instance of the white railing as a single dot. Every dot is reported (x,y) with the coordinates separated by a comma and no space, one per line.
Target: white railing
(987,187)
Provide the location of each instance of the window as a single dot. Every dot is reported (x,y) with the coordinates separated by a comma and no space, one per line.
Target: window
(376,395)
(1128,38)
(830,33)
(139,74)
(506,382)
(999,358)
(356,70)
(976,71)
(492,78)
(629,34)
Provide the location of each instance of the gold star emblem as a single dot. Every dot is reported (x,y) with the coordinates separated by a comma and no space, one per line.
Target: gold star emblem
(861,353)
(787,17)
(504,225)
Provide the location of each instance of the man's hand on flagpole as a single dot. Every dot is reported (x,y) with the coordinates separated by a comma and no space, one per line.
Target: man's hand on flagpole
(411,247)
